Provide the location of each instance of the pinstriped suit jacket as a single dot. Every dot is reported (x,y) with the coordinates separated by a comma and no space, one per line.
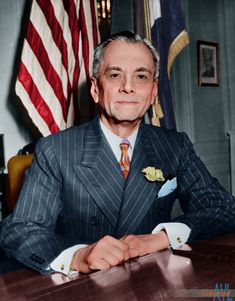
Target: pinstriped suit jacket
(74,192)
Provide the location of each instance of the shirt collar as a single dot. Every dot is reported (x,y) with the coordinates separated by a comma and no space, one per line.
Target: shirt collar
(114,140)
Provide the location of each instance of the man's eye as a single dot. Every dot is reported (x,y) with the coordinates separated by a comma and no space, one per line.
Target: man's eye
(114,75)
(142,76)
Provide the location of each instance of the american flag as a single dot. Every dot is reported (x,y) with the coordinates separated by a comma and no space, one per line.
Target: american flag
(56,61)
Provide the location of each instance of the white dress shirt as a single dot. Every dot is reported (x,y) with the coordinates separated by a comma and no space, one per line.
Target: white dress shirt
(178,233)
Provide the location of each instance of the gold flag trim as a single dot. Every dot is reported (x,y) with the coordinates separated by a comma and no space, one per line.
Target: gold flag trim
(181,41)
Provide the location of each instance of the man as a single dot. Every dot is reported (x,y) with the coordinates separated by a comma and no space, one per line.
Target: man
(79,209)
(209,69)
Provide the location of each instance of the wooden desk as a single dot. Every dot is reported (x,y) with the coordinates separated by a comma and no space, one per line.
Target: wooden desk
(163,275)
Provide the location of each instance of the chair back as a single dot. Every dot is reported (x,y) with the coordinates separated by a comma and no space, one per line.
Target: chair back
(16,168)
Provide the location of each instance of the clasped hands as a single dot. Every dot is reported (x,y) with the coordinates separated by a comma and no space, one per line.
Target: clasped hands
(109,251)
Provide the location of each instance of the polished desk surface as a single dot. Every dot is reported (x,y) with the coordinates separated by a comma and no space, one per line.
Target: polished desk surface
(176,275)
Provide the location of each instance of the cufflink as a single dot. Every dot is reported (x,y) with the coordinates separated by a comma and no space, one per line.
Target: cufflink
(62,267)
(179,240)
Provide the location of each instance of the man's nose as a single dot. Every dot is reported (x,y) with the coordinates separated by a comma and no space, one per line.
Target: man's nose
(127,85)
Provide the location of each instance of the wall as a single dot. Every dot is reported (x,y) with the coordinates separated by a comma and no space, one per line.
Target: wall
(205,113)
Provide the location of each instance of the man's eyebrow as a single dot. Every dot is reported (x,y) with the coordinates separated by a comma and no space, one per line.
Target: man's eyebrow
(143,69)
(111,68)
(116,68)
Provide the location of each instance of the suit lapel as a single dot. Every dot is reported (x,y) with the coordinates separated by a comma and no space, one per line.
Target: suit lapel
(99,171)
(139,193)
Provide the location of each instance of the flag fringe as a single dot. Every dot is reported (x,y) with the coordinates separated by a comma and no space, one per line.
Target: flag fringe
(181,41)
(157,112)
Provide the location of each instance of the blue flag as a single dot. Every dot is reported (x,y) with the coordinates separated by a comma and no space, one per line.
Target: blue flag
(169,36)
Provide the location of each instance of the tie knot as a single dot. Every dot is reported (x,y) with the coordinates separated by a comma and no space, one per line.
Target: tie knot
(124,145)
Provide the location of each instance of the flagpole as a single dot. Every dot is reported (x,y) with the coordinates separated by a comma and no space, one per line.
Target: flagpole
(157,113)
(147,20)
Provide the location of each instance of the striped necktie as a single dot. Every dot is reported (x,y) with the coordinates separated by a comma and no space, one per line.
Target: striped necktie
(125,160)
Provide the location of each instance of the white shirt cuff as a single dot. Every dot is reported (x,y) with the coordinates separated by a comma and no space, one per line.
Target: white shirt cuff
(178,233)
(63,261)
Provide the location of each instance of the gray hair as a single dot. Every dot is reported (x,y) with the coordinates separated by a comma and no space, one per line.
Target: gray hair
(128,37)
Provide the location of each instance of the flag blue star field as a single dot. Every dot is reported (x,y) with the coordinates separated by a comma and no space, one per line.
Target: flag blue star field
(170,37)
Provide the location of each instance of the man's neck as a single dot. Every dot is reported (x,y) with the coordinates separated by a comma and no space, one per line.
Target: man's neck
(122,129)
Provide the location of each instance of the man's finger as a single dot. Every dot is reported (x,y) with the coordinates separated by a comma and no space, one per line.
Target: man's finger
(83,268)
(99,264)
(134,252)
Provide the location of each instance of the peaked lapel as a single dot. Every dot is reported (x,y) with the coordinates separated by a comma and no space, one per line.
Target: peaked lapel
(139,193)
(100,172)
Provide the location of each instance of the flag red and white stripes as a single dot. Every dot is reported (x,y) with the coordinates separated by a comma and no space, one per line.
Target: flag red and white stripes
(56,61)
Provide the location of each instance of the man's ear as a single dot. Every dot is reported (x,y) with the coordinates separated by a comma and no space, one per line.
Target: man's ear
(94,89)
(154,92)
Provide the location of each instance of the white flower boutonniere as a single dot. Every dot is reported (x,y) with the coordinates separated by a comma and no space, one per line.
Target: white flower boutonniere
(153,174)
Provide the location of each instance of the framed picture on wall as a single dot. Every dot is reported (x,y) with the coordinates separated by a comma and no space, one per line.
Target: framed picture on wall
(208,63)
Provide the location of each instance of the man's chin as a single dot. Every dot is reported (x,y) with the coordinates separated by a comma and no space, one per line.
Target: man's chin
(124,118)
(128,115)
(127,119)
